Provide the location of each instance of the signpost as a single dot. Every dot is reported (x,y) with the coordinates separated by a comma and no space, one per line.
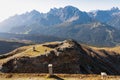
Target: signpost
(50,67)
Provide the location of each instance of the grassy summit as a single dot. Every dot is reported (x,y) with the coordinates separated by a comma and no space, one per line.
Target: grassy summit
(26,51)
(67,57)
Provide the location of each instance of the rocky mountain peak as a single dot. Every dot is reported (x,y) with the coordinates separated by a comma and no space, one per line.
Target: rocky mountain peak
(115,9)
(65,13)
(35,12)
(71,8)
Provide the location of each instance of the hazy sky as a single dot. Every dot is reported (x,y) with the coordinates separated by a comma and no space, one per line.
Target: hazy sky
(11,7)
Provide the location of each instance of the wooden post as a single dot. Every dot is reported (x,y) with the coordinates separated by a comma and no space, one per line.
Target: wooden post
(46,50)
(33,48)
(0,68)
(50,67)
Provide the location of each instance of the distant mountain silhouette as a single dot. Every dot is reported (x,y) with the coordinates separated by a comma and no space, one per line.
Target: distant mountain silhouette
(110,17)
(99,27)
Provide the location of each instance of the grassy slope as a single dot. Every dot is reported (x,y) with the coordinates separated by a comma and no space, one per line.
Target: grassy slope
(112,49)
(28,51)
(25,51)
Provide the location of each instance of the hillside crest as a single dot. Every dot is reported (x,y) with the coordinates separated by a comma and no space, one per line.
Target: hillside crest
(67,57)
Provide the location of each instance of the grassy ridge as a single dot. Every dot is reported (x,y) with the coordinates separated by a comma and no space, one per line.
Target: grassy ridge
(111,49)
(25,51)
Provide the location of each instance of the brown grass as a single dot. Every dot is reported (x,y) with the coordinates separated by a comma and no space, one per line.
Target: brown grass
(112,49)
(26,76)
(27,51)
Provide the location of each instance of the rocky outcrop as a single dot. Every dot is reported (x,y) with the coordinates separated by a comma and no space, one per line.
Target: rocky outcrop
(67,57)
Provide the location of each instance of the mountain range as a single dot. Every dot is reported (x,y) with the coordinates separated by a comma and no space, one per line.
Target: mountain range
(100,27)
